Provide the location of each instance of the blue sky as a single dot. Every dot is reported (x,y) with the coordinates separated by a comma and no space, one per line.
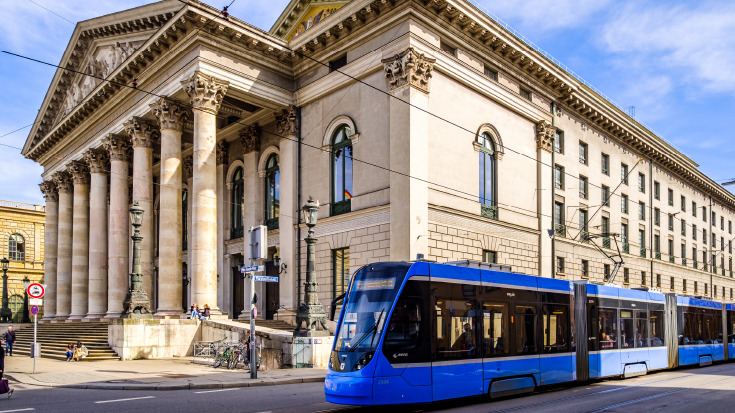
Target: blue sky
(674,61)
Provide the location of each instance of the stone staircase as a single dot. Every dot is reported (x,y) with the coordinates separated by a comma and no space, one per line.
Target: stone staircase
(54,337)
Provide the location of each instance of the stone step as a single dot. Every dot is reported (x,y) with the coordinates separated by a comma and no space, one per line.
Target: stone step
(54,337)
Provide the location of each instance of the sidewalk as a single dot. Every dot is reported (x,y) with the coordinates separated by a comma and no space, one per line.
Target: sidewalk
(166,374)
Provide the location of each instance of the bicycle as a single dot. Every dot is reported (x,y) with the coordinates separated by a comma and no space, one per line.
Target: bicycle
(238,355)
(224,357)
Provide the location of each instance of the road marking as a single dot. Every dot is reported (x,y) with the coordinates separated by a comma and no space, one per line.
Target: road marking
(125,400)
(215,391)
(17,410)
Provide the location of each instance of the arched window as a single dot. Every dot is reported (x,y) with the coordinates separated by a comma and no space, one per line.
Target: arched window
(17,248)
(272,192)
(236,230)
(184,220)
(15,303)
(488,178)
(341,170)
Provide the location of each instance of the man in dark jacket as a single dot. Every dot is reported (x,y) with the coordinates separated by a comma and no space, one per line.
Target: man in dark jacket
(9,338)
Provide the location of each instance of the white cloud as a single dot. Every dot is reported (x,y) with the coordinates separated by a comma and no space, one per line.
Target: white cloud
(541,15)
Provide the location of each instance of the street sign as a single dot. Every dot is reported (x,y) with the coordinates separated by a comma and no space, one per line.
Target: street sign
(253,268)
(35,301)
(266,278)
(34,310)
(36,290)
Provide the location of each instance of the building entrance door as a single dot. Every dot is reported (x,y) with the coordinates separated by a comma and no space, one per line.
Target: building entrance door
(238,292)
(272,299)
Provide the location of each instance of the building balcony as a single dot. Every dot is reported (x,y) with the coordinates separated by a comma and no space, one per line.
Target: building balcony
(341,207)
(643,252)
(489,211)
(626,248)
(606,242)
(684,262)
(695,264)
(671,259)
(560,230)
(658,255)
(271,223)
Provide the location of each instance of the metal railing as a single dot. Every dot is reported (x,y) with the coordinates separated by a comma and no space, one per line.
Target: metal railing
(32,207)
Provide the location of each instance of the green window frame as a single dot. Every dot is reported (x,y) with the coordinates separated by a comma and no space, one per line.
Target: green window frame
(15,303)
(340,271)
(272,192)
(238,194)
(488,180)
(16,248)
(341,159)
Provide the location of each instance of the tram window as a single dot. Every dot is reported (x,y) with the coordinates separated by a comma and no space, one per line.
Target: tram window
(525,326)
(731,326)
(608,322)
(641,328)
(713,319)
(709,332)
(627,329)
(656,316)
(692,328)
(456,337)
(593,326)
(554,298)
(495,329)
(404,329)
(555,328)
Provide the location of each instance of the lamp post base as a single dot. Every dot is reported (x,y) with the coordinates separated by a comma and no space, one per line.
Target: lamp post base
(312,315)
(6,315)
(136,306)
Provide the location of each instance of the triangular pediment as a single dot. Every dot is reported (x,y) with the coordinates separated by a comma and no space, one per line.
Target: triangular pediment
(96,49)
(301,15)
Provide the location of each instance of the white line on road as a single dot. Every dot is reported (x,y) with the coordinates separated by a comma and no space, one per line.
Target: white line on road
(125,400)
(215,391)
(17,410)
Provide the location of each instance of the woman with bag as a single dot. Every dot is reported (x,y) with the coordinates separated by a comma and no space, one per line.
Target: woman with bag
(4,386)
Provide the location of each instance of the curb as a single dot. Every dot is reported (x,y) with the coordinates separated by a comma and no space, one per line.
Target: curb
(182,386)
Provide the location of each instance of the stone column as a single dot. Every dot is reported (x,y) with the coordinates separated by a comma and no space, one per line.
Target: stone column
(206,95)
(288,145)
(99,165)
(221,276)
(118,235)
(63,258)
(408,75)
(143,136)
(250,140)
(80,239)
(51,248)
(171,118)
(188,172)
(544,181)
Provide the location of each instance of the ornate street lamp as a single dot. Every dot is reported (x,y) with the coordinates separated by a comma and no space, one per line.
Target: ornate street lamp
(26,313)
(136,304)
(5,313)
(310,312)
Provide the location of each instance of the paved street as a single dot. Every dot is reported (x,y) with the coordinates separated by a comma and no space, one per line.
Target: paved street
(683,390)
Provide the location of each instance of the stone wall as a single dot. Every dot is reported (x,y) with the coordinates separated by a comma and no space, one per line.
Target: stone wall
(151,339)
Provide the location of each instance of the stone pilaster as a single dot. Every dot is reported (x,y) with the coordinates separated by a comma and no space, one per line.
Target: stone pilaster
(171,117)
(545,134)
(99,165)
(80,240)
(119,229)
(51,238)
(222,280)
(250,139)
(65,187)
(143,136)
(206,94)
(189,174)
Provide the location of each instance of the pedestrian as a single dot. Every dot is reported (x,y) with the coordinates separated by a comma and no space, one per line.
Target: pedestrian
(4,385)
(9,338)
(69,352)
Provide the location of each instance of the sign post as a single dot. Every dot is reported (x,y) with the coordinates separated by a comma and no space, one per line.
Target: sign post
(258,251)
(35,292)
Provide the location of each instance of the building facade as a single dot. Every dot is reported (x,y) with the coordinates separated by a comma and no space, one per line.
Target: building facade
(422,127)
(22,228)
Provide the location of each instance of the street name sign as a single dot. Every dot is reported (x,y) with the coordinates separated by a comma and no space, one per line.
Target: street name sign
(253,268)
(266,278)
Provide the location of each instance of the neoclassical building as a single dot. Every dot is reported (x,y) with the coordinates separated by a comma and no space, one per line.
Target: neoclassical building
(422,127)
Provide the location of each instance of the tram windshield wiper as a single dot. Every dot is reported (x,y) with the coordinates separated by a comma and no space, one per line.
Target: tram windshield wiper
(373,329)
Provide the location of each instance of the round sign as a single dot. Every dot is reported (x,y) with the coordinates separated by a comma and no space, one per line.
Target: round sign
(34,310)
(36,290)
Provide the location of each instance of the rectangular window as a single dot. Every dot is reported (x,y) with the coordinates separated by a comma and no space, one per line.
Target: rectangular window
(722,243)
(683,203)
(624,203)
(657,245)
(729,227)
(684,285)
(706,289)
(704,214)
(671,249)
(491,73)
(605,163)
(729,246)
(694,256)
(606,271)
(525,94)
(694,232)
(490,256)
(605,227)
(559,142)
(671,222)
(642,241)
(337,63)
(656,190)
(583,187)
(560,265)
(624,234)
(626,275)
(642,210)
(341,270)
(447,48)
(696,287)
(642,183)
(714,218)
(605,195)
(704,236)
(624,173)
(683,228)
(583,222)
(656,217)
(658,280)
(558,214)
(583,153)
(558,177)
(671,197)
(585,268)
(694,209)
(683,254)
(644,279)
(722,223)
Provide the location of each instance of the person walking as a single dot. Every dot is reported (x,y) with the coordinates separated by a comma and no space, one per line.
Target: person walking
(9,338)
(4,386)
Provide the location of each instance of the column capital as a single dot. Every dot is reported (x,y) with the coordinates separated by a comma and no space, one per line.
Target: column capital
(222,148)
(79,172)
(206,92)
(142,133)
(49,190)
(545,135)
(63,182)
(250,138)
(117,146)
(170,114)
(188,166)
(287,122)
(98,161)
(408,68)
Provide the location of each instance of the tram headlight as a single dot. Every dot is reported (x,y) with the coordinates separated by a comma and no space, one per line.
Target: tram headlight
(363,361)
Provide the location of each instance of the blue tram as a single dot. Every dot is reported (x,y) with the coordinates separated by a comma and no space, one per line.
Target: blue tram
(417,332)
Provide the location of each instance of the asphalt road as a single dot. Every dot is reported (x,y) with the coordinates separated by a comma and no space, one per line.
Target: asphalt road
(701,390)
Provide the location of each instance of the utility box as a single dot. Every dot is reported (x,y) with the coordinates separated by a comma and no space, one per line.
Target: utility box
(259,242)
(35,350)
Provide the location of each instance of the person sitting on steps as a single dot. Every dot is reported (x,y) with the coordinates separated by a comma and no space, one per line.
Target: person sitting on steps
(80,351)
(69,352)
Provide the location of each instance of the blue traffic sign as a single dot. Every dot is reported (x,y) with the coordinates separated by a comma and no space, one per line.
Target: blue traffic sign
(266,278)
(34,310)
(253,268)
